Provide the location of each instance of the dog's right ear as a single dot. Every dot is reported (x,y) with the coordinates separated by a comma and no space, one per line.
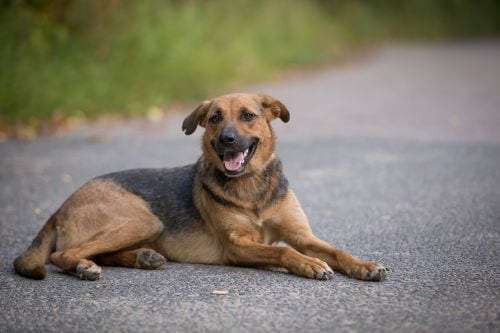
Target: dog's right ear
(196,118)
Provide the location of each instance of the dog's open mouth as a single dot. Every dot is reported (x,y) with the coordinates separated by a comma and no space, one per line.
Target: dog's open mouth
(235,161)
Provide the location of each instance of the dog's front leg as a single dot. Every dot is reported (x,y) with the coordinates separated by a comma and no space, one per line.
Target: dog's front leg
(242,240)
(290,224)
(242,249)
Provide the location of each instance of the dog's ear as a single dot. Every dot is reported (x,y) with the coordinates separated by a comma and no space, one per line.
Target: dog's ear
(196,118)
(274,108)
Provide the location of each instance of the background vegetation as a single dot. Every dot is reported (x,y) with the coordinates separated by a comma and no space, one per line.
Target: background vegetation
(88,57)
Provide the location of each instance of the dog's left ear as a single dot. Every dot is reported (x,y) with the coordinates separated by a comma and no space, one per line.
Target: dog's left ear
(196,118)
(274,108)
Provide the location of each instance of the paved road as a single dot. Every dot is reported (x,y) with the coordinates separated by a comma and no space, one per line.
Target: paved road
(395,157)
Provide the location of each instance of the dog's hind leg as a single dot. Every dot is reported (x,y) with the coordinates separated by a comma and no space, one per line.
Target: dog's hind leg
(124,235)
(101,217)
(143,258)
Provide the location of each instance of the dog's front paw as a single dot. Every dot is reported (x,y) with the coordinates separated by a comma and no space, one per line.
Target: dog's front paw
(150,259)
(314,268)
(375,271)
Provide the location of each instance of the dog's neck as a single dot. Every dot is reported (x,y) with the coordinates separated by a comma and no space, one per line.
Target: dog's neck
(268,183)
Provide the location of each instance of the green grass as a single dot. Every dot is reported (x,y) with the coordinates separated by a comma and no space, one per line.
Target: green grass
(90,58)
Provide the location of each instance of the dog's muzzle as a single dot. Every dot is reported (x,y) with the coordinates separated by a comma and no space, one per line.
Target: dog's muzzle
(234,150)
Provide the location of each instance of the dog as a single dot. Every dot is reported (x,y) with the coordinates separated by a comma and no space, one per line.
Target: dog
(229,208)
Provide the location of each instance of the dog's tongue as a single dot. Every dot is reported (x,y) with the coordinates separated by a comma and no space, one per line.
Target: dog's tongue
(233,161)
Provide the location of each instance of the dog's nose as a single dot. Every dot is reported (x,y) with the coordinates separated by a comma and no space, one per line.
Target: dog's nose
(228,136)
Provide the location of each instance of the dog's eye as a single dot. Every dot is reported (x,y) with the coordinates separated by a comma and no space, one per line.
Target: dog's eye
(247,116)
(215,118)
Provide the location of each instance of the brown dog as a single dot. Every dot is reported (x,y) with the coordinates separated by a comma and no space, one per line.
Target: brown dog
(228,208)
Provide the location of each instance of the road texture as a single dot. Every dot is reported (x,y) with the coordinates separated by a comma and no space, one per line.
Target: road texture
(395,157)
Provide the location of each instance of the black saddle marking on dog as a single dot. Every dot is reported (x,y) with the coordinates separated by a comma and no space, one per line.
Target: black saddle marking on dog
(168,191)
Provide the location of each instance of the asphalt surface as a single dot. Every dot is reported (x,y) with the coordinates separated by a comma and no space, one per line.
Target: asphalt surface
(395,157)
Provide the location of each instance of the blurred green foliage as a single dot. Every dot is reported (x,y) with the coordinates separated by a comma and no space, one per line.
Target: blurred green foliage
(88,57)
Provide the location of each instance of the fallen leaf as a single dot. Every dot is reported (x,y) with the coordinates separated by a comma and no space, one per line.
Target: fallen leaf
(220,292)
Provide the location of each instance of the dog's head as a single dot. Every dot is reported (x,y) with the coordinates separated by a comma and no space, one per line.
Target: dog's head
(238,137)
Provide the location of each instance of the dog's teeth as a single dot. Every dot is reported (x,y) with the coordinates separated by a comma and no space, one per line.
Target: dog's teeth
(245,153)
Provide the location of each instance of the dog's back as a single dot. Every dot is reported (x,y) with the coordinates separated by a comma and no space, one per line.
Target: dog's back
(168,191)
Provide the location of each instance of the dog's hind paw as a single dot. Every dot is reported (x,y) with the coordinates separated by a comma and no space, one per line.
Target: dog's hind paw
(87,270)
(150,259)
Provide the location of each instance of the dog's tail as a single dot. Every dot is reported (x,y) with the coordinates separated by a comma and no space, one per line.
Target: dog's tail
(32,262)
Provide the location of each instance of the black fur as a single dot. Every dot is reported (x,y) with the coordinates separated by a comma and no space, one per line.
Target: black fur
(273,169)
(168,191)
(279,191)
(217,198)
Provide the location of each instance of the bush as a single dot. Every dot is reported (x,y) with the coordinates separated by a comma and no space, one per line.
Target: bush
(87,57)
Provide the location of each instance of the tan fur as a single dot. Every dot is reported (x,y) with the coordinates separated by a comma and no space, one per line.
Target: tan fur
(198,246)
(32,262)
(100,218)
(241,218)
(112,211)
